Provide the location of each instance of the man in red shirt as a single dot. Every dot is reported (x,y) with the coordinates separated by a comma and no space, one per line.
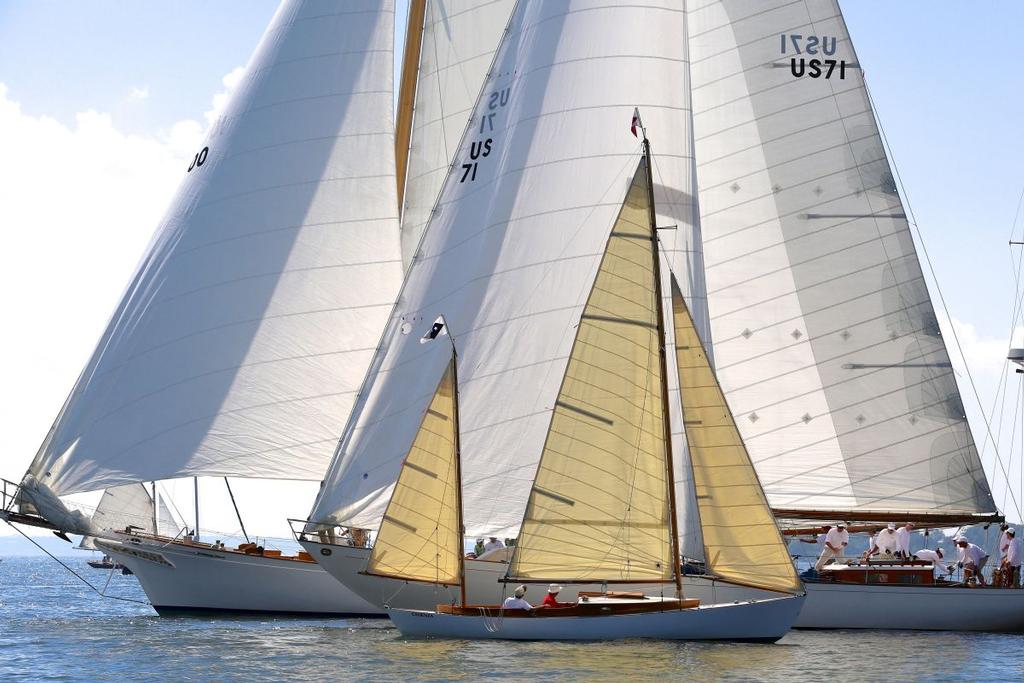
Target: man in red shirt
(551,599)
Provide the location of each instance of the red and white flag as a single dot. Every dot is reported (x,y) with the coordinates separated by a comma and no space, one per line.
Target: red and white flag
(636,121)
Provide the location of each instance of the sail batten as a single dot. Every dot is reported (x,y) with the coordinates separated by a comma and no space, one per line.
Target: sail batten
(827,344)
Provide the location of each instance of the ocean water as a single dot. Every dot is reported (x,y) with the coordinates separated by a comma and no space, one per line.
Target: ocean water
(53,628)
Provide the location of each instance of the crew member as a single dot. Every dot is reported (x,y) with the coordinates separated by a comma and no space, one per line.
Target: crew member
(516,600)
(935,557)
(903,539)
(493,544)
(1012,561)
(972,560)
(885,543)
(551,599)
(836,541)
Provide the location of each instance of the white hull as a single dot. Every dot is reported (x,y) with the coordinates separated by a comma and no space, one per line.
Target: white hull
(923,608)
(763,620)
(179,579)
(483,584)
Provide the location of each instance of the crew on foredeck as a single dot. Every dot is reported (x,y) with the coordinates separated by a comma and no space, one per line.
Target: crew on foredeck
(1010,565)
(935,557)
(903,539)
(836,541)
(972,560)
(885,543)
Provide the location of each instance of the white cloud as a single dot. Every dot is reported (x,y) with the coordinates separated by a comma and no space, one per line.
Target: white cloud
(79,204)
(138,94)
(220,100)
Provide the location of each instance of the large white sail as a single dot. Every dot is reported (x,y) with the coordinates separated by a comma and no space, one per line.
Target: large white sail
(534,189)
(241,340)
(458,40)
(826,341)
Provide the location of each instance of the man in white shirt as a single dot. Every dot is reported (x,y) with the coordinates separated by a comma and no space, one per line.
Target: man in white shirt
(935,557)
(1010,565)
(885,543)
(1003,537)
(903,539)
(972,560)
(836,541)
(516,600)
(493,544)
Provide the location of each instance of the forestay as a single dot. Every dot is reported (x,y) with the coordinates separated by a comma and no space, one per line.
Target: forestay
(599,507)
(458,41)
(419,537)
(742,543)
(514,246)
(826,342)
(243,336)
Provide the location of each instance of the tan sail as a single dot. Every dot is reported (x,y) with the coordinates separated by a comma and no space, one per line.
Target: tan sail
(599,508)
(420,537)
(741,540)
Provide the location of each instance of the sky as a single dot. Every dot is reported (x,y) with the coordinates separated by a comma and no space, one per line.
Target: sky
(103,103)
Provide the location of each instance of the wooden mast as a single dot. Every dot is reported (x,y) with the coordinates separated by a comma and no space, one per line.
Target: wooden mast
(407,93)
(666,421)
(458,472)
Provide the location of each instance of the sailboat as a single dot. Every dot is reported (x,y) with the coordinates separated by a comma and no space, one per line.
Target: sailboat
(238,347)
(826,340)
(602,506)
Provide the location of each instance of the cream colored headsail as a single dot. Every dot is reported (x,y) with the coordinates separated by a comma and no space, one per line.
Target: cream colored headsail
(741,541)
(599,508)
(419,537)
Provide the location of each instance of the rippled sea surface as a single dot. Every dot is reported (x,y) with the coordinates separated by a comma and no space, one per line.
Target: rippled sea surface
(53,628)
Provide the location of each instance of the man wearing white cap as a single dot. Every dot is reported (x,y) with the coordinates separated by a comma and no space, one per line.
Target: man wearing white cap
(551,599)
(935,557)
(493,544)
(836,541)
(972,560)
(517,600)
(885,543)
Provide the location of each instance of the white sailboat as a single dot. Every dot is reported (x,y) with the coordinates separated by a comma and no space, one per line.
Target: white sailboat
(826,341)
(239,344)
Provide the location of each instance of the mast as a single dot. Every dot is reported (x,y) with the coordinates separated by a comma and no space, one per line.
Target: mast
(195,487)
(407,93)
(458,475)
(156,527)
(666,422)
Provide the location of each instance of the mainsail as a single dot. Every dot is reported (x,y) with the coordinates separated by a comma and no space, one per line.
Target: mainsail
(241,340)
(826,341)
(420,538)
(742,543)
(526,209)
(450,45)
(599,508)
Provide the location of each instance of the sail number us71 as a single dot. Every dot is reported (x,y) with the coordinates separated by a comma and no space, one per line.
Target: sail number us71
(808,64)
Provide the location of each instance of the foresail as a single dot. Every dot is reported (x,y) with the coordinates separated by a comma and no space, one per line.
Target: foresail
(459,38)
(826,341)
(241,340)
(419,537)
(599,506)
(742,543)
(124,506)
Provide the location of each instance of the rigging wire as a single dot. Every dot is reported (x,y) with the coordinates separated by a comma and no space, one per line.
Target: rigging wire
(942,300)
(81,578)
